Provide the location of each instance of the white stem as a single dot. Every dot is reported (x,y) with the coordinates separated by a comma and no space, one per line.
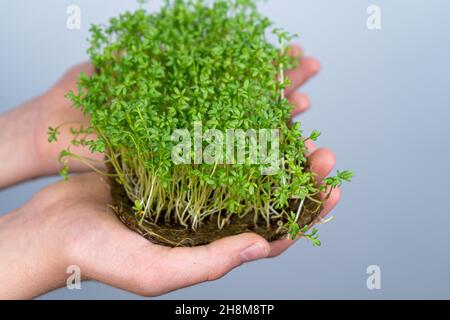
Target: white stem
(148,200)
(299,210)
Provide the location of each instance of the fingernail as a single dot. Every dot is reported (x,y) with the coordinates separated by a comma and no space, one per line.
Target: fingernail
(254,252)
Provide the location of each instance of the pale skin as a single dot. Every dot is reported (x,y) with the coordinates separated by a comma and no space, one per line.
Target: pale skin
(70,223)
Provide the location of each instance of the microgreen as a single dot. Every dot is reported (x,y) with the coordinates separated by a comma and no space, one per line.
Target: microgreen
(53,134)
(193,62)
(339,179)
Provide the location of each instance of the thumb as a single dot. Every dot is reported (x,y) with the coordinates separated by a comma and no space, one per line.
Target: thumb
(187,266)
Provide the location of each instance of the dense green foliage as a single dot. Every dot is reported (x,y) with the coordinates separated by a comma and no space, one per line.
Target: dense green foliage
(193,62)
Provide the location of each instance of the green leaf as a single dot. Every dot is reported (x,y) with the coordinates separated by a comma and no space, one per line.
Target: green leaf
(206,62)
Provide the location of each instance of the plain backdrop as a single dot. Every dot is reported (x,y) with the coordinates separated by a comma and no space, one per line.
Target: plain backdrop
(382,102)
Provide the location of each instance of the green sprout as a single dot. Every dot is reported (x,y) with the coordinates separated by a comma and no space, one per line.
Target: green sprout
(195,62)
(53,134)
(314,135)
(338,180)
(294,231)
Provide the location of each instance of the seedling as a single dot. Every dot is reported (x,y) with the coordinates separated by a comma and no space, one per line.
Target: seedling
(189,63)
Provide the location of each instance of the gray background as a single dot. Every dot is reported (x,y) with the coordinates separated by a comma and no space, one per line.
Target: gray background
(382,102)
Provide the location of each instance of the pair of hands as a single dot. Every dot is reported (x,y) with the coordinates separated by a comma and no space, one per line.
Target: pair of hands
(69,223)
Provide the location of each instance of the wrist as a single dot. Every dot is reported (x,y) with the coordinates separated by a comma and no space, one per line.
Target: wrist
(18,153)
(31,263)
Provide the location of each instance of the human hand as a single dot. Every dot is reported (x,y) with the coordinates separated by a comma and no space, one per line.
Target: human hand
(24,149)
(69,223)
(25,152)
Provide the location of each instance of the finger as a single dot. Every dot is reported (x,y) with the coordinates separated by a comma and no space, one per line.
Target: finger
(332,201)
(70,78)
(135,264)
(298,76)
(311,146)
(295,51)
(278,247)
(85,67)
(322,162)
(188,266)
(301,103)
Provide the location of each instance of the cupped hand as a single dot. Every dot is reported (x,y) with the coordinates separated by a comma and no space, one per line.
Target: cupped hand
(70,223)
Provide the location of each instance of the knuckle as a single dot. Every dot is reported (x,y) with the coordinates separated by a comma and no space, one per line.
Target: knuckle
(215,274)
